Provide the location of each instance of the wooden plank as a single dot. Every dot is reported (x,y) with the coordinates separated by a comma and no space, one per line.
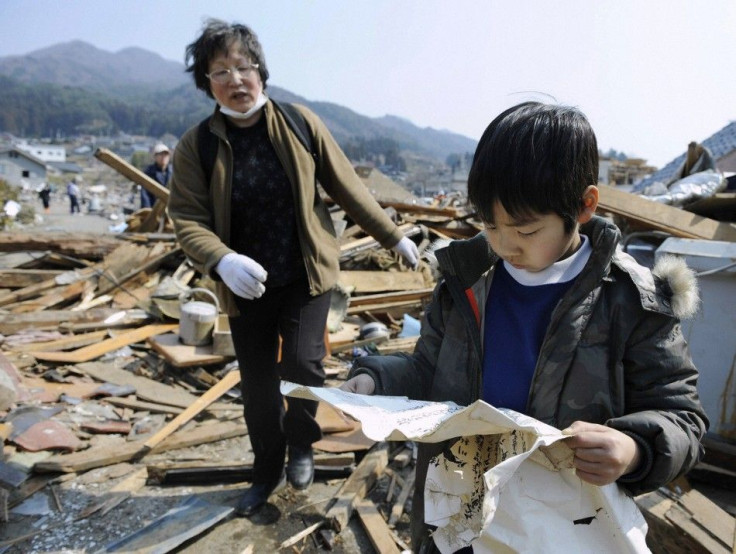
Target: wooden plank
(51,319)
(179,354)
(376,528)
(98,456)
(33,291)
(132,173)
(662,217)
(90,246)
(93,351)
(21,278)
(706,515)
(365,243)
(419,209)
(401,296)
(225,384)
(67,343)
(356,486)
(61,295)
(381,281)
(142,406)
(393,346)
(398,508)
(383,307)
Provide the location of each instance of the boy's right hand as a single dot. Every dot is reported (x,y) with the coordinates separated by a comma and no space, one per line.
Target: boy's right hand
(360,384)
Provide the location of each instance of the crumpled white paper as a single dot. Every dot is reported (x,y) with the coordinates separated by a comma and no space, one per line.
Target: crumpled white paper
(507,484)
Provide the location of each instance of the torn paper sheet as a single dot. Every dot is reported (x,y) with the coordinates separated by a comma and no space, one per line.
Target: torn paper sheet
(506,486)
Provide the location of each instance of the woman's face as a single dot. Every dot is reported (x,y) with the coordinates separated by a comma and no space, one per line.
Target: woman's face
(239,92)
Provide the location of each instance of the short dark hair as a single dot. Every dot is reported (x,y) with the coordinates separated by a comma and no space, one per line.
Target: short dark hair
(216,38)
(537,158)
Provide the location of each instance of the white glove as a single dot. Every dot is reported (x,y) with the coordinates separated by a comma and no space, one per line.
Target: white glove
(406,248)
(242,275)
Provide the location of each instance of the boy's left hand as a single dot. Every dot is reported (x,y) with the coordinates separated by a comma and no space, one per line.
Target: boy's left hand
(602,454)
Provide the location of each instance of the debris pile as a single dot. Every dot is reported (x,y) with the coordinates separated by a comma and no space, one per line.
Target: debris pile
(104,411)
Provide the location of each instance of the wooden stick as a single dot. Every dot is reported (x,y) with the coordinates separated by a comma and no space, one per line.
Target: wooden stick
(93,351)
(376,528)
(398,508)
(224,385)
(301,535)
(132,173)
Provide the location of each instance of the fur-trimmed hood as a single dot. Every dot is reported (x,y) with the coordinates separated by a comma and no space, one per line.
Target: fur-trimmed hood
(681,283)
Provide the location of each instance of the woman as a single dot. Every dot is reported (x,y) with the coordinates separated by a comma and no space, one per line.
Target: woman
(258,226)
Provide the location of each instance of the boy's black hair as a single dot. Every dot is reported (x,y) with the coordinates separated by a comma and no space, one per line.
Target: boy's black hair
(534,158)
(216,38)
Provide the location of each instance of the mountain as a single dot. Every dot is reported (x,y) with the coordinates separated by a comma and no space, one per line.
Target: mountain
(86,89)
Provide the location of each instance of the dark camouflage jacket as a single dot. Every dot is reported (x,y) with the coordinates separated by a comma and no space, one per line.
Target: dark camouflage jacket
(613,354)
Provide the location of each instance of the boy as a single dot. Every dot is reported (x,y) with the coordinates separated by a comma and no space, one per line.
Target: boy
(544,314)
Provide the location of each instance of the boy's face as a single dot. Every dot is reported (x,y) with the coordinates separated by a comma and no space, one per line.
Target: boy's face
(532,243)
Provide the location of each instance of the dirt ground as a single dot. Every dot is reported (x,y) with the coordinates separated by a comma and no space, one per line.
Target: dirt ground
(64,529)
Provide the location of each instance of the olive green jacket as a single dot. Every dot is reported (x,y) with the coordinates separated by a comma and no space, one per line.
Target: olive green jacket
(201,210)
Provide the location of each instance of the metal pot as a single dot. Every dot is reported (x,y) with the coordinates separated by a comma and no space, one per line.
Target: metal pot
(197,318)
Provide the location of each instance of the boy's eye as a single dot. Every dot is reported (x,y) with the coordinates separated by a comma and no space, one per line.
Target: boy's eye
(528,233)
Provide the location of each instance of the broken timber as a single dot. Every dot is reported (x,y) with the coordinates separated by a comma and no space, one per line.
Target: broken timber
(356,486)
(98,456)
(662,217)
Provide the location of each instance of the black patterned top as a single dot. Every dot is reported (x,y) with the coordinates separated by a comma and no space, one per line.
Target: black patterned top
(263,223)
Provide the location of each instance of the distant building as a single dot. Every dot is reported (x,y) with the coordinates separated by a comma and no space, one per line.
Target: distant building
(612,171)
(44,152)
(21,169)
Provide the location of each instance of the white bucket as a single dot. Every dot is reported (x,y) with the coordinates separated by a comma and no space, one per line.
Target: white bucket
(197,319)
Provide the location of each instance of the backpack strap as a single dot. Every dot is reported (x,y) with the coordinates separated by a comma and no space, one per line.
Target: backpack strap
(295,121)
(207,143)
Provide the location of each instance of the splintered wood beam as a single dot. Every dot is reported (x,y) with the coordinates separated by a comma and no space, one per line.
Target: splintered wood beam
(51,319)
(365,243)
(132,173)
(400,296)
(356,487)
(103,455)
(32,291)
(662,217)
(20,278)
(418,209)
(93,351)
(376,528)
(224,385)
(379,281)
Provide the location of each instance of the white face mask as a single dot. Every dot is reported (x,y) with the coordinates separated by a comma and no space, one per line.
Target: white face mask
(260,102)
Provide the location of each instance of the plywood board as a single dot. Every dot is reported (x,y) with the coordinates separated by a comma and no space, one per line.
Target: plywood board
(380,281)
(179,354)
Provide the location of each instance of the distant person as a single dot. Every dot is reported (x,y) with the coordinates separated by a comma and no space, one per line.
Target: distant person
(159,171)
(544,314)
(257,225)
(45,195)
(72,190)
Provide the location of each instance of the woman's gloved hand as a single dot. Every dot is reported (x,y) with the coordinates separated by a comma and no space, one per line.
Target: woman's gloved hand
(408,250)
(242,275)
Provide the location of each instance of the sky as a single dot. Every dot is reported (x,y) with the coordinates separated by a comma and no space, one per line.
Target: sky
(650,75)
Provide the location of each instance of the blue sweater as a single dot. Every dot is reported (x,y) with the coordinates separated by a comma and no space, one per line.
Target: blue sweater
(516,319)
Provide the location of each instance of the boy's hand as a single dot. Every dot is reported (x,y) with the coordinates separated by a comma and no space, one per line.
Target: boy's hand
(360,384)
(602,454)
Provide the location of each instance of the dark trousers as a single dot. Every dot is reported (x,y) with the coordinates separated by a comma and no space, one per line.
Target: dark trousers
(289,312)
